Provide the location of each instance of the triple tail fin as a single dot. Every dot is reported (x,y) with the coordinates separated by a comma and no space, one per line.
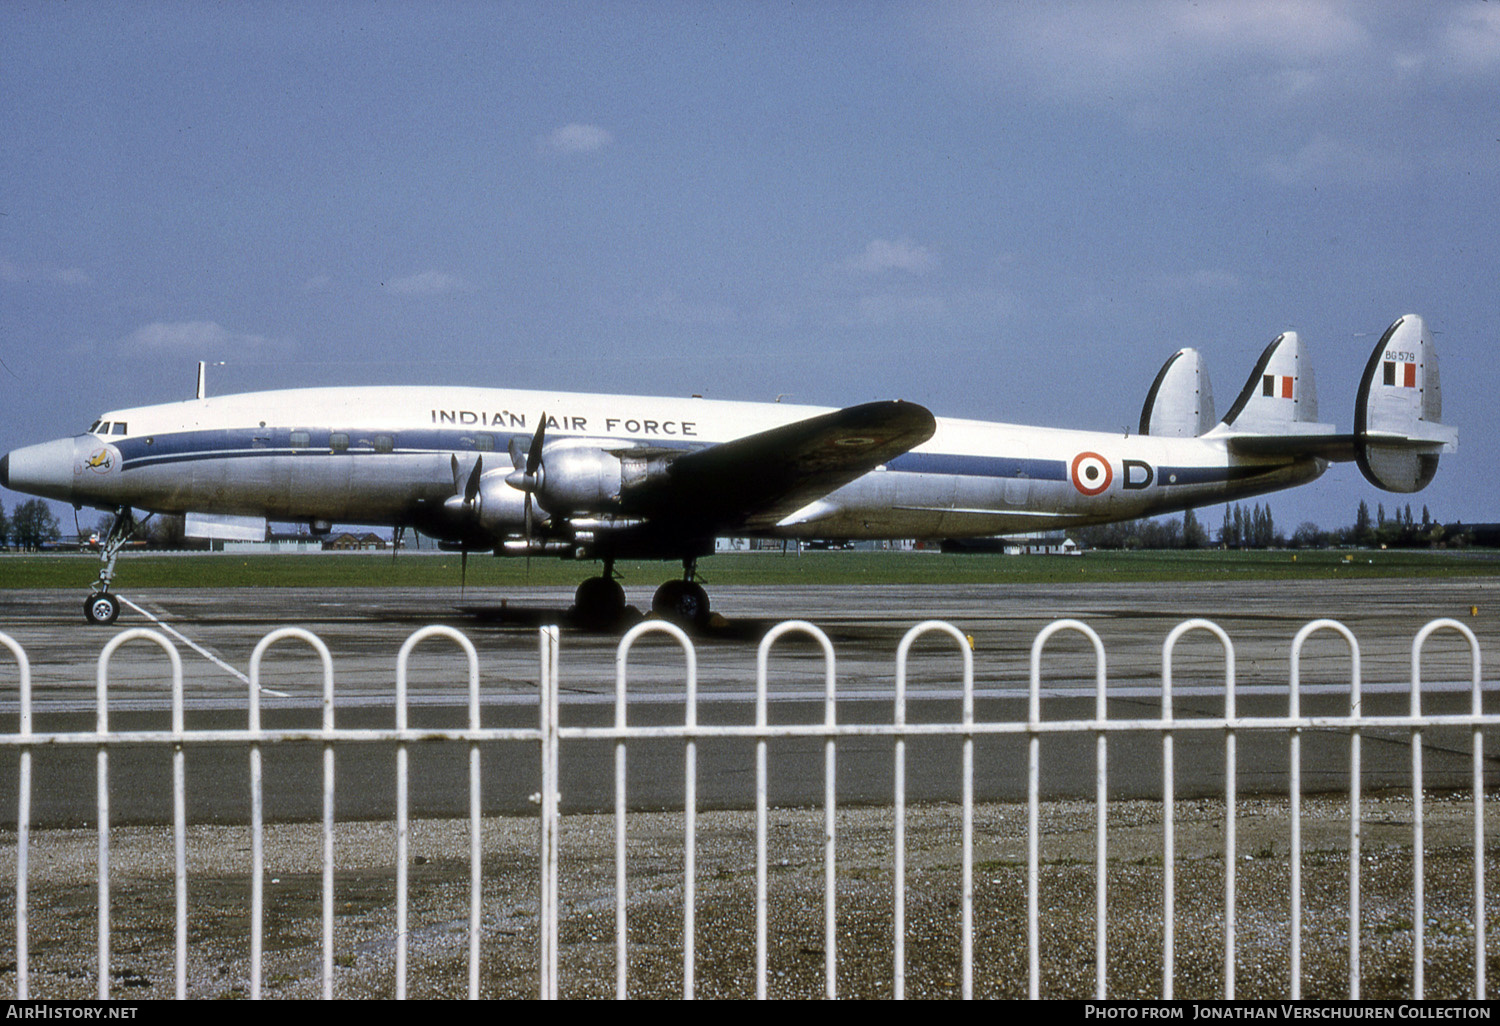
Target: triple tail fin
(1181,401)
(1281,396)
(1398,430)
(1398,413)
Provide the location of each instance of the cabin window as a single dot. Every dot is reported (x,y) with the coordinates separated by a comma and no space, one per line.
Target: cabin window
(301,439)
(338,441)
(484,442)
(385,443)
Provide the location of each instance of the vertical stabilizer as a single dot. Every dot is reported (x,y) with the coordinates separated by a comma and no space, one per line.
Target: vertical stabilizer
(1398,427)
(1281,396)
(1181,401)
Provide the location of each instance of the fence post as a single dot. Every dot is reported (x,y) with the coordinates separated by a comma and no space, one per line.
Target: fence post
(1294,787)
(690,803)
(257,807)
(402,832)
(967,770)
(179,825)
(23,817)
(830,933)
(1033,801)
(1230,799)
(1476,709)
(548,647)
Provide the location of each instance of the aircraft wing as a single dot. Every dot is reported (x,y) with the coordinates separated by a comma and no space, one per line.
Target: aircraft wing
(755,481)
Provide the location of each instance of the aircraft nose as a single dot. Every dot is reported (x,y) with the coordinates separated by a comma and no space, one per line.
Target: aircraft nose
(45,470)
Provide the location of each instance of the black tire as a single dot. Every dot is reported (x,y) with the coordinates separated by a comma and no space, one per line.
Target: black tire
(102,609)
(599,602)
(685,603)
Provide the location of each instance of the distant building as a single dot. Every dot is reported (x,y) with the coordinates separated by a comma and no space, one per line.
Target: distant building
(1036,543)
(351,542)
(1484,535)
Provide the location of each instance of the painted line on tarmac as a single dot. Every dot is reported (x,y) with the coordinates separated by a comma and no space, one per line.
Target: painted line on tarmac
(190,643)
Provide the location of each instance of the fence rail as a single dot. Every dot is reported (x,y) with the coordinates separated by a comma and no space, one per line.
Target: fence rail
(551,737)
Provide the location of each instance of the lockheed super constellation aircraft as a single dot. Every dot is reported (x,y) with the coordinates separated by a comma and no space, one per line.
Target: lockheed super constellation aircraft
(607,477)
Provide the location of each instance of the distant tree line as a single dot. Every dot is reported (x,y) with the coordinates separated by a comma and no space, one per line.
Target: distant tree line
(1254,527)
(31,525)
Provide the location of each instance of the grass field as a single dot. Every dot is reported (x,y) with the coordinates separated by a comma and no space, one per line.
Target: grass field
(424,570)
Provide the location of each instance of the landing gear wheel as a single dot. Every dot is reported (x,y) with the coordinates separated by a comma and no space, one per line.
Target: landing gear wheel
(683,602)
(101,609)
(599,602)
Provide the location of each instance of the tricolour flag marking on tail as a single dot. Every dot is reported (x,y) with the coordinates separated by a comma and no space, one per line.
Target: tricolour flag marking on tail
(1400,374)
(1276,385)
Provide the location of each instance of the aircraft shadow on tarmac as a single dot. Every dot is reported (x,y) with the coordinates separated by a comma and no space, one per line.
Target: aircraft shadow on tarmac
(510,614)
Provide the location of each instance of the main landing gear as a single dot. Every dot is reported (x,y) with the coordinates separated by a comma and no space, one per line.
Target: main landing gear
(600,601)
(101,607)
(683,601)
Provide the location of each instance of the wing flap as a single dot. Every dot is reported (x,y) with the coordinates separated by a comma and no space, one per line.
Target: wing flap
(755,481)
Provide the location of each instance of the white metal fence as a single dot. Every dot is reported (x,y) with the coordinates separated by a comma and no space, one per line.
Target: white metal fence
(551,736)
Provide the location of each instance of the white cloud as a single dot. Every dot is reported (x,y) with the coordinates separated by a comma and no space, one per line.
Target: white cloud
(883,255)
(427,283)
(15,274)
(199,339)
(576,138)
(1103,51)
(1327,159)
(1471,37)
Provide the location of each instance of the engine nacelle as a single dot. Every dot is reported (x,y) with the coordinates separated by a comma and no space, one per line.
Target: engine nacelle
(579,477)
(499,508)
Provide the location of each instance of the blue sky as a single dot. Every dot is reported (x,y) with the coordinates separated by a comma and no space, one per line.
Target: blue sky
(1005,211)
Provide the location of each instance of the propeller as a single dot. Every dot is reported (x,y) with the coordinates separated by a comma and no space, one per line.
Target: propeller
(528,477)
(470,492)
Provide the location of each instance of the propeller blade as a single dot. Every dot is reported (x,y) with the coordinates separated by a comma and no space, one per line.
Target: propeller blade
(534,457)
(528,537)
(471,489)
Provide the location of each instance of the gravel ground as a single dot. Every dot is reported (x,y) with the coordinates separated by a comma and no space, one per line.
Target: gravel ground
(63,903)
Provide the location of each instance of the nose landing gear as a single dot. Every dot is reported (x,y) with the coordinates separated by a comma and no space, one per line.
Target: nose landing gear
(101,607)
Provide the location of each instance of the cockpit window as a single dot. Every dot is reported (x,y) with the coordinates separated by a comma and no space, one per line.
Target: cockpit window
(119,428)
(94,427)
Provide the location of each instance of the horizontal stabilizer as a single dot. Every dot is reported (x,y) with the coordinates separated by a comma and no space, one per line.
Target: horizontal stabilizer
(1398,412)
(1181,401)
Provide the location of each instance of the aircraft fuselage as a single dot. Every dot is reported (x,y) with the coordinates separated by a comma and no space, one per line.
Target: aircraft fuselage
(391,455)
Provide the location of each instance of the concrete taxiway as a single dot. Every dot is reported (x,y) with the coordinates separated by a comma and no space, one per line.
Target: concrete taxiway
(216,631)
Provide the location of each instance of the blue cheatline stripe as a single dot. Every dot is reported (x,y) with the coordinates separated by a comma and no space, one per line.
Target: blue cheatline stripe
(247,443)
(1170,476)
(979,466)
